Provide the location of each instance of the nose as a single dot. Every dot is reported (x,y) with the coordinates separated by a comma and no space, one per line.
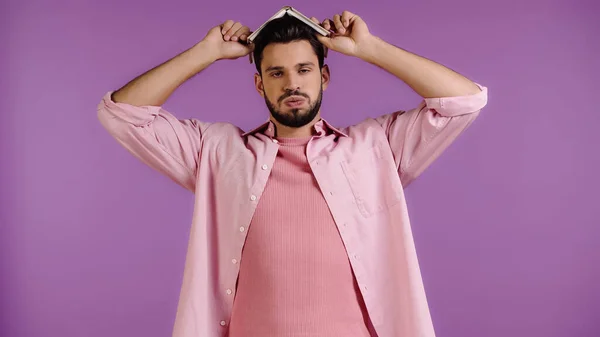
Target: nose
(292,83)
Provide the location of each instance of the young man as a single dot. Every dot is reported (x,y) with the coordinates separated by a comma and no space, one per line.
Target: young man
(299,228)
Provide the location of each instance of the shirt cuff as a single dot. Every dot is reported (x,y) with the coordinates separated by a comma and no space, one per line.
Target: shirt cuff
(459,105)
(137,115)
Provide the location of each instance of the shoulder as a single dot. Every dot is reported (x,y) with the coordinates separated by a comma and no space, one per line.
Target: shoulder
(217,130)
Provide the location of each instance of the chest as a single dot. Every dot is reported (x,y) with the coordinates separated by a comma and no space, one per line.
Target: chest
(358,180)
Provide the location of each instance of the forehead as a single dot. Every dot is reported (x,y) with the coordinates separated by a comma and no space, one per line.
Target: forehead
(288,54)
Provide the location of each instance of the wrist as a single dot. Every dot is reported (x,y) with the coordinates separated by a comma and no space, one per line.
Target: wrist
(369,48)
(203,54)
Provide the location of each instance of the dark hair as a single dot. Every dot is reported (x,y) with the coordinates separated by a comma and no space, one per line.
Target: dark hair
(283,30)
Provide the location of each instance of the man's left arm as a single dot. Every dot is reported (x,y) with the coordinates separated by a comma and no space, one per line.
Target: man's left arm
(450,101)
(427,78)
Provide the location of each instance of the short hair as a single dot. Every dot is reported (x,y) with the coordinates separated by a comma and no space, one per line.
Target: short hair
(284,30)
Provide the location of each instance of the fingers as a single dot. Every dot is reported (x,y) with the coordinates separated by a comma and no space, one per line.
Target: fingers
(346,18)
(339,27)
(241,34)
(226,26)
(234,31)
(231,31)
(327,24)
(339,24)
(315,20)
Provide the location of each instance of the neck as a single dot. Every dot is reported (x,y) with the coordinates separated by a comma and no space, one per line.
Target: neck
(290,132)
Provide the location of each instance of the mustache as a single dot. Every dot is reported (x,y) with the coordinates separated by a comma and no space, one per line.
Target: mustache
(292,93)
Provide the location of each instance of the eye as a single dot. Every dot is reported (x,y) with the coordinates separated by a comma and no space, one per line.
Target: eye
(276,74)
(304,71)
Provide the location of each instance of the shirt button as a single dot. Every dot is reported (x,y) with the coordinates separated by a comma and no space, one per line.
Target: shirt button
(223,323)
(264,167)
(252,197)
(242,229)
(234,261)
(229,291)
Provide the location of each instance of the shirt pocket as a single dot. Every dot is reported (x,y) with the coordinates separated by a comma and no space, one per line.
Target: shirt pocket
(373,179)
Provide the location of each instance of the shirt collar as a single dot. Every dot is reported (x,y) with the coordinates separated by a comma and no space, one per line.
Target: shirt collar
(321,127)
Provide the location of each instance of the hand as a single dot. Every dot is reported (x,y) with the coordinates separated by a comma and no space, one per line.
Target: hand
(228,40)
(350,33)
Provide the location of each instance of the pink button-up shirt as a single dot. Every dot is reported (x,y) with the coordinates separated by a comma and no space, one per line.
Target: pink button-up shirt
(361,170)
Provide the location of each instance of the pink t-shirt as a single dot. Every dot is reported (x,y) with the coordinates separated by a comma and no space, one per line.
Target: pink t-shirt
(295,277)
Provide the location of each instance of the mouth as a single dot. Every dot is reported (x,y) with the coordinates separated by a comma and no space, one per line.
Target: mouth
(294,101)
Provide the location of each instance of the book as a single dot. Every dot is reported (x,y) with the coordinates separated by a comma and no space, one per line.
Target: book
(291,11)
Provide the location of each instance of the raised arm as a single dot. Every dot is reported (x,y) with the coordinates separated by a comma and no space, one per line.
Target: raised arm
(450,101)
(134,116)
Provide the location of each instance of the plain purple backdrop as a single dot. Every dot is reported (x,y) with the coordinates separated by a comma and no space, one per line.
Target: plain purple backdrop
(506,222)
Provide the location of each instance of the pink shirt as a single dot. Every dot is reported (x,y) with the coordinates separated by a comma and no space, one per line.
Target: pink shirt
(295,277)
(361,171)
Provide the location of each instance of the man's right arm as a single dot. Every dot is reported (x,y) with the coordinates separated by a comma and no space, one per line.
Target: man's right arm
(134,116)
(156,85)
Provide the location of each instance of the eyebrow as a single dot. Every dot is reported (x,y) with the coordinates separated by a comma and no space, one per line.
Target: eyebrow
(299,65)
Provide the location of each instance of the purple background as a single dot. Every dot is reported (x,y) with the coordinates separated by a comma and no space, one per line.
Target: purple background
(506,222)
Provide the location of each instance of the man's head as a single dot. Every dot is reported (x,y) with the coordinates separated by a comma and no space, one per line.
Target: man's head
(291,72)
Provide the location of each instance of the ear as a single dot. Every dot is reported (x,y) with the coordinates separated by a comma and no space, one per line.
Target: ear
(258,84)
(325,76)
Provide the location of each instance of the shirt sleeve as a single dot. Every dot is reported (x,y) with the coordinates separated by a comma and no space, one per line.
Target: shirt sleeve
(417,137)
(156,137)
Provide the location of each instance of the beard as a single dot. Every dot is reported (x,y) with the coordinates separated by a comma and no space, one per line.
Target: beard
(295,118)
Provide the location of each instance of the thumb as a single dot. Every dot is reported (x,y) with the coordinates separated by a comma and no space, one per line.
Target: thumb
(326,41)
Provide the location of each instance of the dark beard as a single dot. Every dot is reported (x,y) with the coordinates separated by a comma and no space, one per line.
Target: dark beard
(295,118)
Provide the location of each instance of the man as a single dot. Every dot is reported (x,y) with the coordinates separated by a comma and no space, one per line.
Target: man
(299,228)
